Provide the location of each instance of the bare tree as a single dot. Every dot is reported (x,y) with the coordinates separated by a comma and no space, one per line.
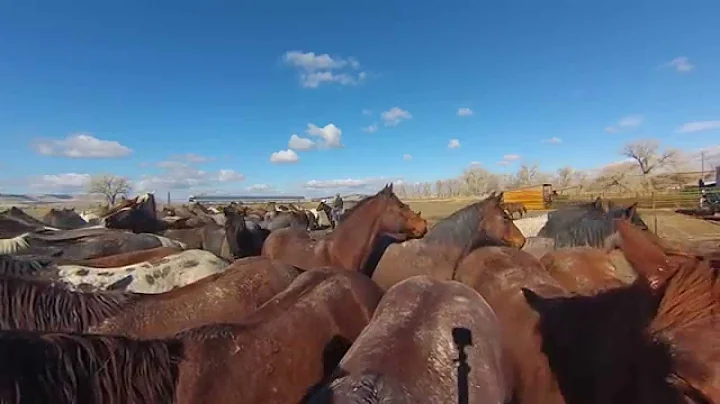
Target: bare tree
(109,186)
(564,177)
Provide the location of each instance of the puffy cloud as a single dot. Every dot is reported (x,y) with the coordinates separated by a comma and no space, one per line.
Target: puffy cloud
(454,144)
(407,157)
(68,182)
(182,173)
(81,145)
(680,64)
(300,143)
(370,184)
(552,140)
(316,69)
(259,188)
(371,129)
(330,134)
(626,122)
(395,115)
(284,157)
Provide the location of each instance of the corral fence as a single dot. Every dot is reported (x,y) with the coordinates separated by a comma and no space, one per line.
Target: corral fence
(645,200)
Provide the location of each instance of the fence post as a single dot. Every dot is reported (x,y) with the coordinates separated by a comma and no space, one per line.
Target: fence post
(654,207)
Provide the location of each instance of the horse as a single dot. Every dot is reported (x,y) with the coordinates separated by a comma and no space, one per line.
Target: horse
(124,259)
(324,207)
(153,276)
(86,243)
(437,254)
(244,237)
(225,297)
(64,219)
(498,273)
(514,207)
(139,215)
(349,246)
(589,225)
(285,219)
(587,270)
(326,310)
(410,341)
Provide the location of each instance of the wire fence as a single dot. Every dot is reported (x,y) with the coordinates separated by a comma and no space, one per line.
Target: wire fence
(653,200)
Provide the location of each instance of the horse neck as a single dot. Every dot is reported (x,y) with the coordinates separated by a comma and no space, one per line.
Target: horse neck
(354,238)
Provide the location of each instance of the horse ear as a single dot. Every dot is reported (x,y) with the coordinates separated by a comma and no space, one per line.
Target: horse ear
(499,196)
(536,302)
(645,256)
(630,211)
(601,204)
(390,187)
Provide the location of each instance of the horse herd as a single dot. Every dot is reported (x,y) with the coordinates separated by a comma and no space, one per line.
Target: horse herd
(589,306)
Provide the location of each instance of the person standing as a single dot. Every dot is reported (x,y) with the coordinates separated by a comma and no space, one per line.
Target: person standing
(337,208)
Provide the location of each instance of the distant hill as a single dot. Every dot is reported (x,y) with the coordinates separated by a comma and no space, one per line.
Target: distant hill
(23,199)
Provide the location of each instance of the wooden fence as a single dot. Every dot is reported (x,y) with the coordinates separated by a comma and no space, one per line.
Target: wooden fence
(654,200)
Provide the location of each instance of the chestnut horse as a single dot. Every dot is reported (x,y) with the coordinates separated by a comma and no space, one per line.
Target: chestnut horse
(587,270)
(349,246)
(437,254)
(409,343)
(498,273)
(226,297)
(30,304)
(256,361)
(514,207)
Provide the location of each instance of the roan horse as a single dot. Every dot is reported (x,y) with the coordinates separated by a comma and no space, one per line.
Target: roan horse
(409,345)
(351,243)
(326,310)
(483,223)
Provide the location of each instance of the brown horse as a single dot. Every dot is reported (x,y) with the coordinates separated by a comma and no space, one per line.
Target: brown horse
(349,246)
(124,259)
(498,273)
(257,361)
(587,270)
(514,207)
(64,219)
(409,344)
(226,297)
(437,254)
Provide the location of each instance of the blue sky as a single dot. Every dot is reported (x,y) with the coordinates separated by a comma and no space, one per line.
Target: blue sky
(198,96)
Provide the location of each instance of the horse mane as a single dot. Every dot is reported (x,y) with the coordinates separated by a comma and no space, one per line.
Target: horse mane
(460,227)
(33,304)
(368,387)
(691,298)
(71,368)
(21,266)
(586,232)
(211,331)
(14,244)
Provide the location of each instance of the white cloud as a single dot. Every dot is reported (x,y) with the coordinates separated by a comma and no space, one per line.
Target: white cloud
(454,144)
(407,157)
(371,129)
(475,163)
(680,64)
(284,157)
(464,112)
(300,143)
(259,188)
(316,69)
(698,126)
(395,115)
(369,184)
(330,133)
(226,175)
(508,159)
(552,140)
(366,112)
(626,122)
(68,182)
(81,145)
(181,172)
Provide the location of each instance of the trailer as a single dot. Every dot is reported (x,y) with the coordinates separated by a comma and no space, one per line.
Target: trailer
(534,197)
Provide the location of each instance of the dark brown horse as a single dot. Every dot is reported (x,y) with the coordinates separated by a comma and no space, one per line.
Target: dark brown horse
(65,219)
(277,355)
(66,368)
(350,245)
(514,207)
(499,273)
(482,223)
(226,297)
(436,341)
